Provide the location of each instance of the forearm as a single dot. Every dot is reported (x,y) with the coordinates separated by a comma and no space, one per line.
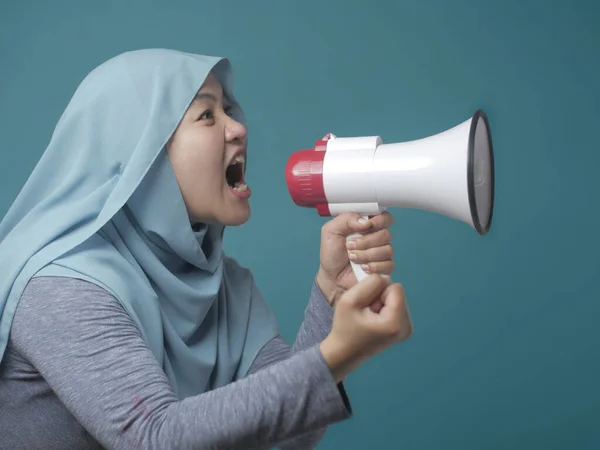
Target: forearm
(318,319)
(315,327)
(284,402)
(91,354)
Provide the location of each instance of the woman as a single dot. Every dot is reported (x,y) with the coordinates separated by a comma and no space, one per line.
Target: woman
(124,325)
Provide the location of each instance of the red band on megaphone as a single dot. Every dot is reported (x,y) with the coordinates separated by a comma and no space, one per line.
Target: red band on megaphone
(304,177)
(323,210)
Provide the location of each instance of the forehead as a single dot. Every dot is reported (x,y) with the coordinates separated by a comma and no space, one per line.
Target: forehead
(211,90)
(211,84)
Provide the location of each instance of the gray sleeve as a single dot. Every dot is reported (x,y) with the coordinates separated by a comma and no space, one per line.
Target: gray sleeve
(318,318)
(91,354)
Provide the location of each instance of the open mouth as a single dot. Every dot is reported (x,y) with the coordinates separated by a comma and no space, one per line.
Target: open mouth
(234,174)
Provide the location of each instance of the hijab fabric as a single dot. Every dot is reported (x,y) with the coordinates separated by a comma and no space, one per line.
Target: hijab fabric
(103,205)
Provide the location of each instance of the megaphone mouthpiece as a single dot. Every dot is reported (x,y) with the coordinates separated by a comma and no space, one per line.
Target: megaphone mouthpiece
(304,176)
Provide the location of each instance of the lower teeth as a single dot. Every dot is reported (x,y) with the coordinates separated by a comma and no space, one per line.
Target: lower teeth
(241,187)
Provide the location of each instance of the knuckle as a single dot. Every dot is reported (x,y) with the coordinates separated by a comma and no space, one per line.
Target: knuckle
(389,251)
(394,332)
(359,257)
(350,217)
(328,227)
(390,332)
(399,332)
(386,234)
(375,255)
(361,243)
(373,265)
(383,266)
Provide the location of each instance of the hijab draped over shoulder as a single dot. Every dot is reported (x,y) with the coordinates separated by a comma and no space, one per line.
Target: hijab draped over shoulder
(103,205)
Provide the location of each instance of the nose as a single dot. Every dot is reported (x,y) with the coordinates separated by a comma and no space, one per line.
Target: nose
(234,130)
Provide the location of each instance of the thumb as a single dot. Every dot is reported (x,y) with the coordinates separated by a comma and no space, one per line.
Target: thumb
(366,291)
(347,223)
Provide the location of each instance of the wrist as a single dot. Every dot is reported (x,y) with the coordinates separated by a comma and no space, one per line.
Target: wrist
(333,359)
(330,290)
(337,359)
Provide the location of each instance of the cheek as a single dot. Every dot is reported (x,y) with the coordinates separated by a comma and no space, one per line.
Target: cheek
(198,165)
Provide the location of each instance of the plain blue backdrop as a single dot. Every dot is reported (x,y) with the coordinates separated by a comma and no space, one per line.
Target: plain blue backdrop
(506,350)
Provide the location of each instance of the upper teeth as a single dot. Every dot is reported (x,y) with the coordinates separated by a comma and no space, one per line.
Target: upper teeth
(239,159)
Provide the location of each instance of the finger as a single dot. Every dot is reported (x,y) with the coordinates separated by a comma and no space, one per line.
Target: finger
(369,240)
(395,314)
(377,254)
(376,306)
(365,292)
(394,292)
(379,267)
(381,221)
(358,224)
(346,224)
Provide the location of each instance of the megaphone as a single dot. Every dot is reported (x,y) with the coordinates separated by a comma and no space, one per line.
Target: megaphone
(450,173)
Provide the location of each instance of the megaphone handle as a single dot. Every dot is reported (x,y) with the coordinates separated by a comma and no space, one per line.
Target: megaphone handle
(356,267)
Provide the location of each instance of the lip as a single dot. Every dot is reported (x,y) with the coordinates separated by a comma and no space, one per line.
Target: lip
(243,195)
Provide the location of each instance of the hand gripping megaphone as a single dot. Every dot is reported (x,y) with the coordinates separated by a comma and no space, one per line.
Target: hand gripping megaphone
(449,173)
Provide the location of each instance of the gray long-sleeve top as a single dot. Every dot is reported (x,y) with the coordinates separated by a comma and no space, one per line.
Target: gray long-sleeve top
(77,375)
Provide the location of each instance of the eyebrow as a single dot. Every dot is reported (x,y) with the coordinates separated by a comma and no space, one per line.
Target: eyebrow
(203,95)
(206,95)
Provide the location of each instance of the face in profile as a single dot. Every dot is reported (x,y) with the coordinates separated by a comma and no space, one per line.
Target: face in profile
(208,156)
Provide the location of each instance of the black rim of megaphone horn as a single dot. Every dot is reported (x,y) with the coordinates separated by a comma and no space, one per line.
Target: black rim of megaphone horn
(480,114)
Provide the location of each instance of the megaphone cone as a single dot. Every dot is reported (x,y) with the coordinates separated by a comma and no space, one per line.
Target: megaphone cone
(450,173)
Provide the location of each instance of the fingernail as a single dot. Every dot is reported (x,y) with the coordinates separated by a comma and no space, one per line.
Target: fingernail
(387,278)
(351,244)
(353,256)
(365,267)
(362,220)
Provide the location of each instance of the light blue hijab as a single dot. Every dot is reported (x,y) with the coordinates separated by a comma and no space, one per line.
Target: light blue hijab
(103,205)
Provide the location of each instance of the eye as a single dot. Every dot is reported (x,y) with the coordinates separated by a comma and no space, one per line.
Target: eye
(206,115)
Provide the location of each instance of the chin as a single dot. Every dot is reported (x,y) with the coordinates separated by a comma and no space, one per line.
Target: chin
(237,218)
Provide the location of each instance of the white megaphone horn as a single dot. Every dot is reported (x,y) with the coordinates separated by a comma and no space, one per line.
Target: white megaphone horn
(449,173)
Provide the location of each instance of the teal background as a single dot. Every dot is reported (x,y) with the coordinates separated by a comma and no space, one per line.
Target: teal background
(506,351)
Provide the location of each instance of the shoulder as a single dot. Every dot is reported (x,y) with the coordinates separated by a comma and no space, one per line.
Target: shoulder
(62,301)
(64,294)
(68,313)
(61,287)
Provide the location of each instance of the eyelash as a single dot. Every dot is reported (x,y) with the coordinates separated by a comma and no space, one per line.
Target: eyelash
(227,111)
(204,113)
